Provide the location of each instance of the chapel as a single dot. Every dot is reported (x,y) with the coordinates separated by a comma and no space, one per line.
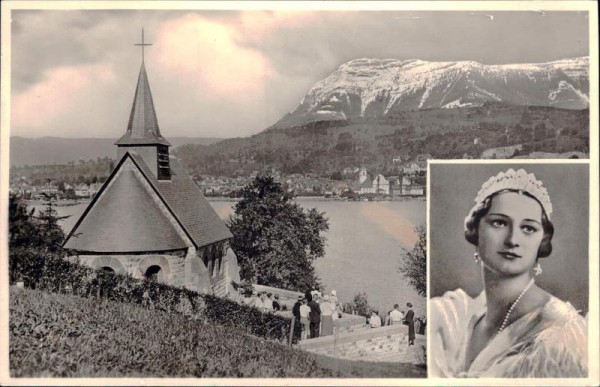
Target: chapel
(150,219)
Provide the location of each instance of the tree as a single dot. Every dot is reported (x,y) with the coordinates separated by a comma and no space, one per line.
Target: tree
(50,231)
(337,175)
(22,229)
(359,305)
(275,239)
(414,263)
(31,239)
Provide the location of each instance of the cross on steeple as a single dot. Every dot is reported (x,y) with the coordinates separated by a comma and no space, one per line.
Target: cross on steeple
(142,44)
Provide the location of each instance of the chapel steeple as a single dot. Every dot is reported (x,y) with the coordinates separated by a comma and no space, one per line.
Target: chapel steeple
(143,135)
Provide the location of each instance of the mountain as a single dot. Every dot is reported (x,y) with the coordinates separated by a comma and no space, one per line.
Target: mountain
(58,150)
(329,146)
(381,87)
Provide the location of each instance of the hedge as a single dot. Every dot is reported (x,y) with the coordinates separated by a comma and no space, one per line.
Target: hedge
(50,272)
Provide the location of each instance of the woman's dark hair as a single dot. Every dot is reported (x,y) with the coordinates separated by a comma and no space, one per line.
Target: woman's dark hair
(481,210)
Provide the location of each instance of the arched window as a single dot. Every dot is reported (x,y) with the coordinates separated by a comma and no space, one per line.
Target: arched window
(152,273)
(108,269)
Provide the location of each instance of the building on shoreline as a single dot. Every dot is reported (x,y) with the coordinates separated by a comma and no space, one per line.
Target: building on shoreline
(149,219)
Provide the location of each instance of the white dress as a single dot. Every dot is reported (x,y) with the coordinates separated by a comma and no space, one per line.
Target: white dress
(550,341)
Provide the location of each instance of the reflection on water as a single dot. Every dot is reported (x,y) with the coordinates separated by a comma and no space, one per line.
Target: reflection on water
(364,247)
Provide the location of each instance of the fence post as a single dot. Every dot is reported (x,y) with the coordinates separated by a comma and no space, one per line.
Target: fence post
(292,330)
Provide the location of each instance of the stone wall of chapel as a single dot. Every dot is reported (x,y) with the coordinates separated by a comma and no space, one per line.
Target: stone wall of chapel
(183,268)
(172,265)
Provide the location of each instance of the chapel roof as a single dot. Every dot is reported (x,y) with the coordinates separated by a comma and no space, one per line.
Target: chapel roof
(183,197)
(124,217)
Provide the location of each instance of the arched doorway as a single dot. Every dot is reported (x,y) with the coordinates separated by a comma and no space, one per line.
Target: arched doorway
(154,268)
(108,263)
(152,272)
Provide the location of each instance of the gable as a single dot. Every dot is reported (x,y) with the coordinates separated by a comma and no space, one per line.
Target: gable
(124,217)
(183,197)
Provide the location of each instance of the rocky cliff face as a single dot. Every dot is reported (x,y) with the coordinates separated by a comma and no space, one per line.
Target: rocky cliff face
(380,87)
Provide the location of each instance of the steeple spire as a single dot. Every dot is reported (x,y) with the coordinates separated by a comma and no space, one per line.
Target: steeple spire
(142,128)
(143,136)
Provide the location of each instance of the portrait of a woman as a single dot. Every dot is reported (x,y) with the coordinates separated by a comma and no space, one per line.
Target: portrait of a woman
(514,328)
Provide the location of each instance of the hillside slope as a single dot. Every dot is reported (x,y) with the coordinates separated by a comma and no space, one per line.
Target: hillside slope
(325,147)
(54,335)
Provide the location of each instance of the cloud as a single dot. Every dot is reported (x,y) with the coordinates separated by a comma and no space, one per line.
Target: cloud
(202,53)
(257,26)
(43,41)
(63,91)
(233,73)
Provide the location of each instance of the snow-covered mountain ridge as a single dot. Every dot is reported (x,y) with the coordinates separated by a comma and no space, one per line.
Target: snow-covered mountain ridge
(378,87)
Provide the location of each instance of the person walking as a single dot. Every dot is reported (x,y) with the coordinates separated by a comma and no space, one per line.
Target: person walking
(410,321)
(296,313)
(333,297)
(327,311)
(375,320)
(276,304)
(304,319)
(396,315)
(314,317)
(335,301)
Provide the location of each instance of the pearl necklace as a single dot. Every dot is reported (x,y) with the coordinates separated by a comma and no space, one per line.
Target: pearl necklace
(514,304)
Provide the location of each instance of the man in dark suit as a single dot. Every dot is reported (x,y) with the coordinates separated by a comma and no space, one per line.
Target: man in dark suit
(296,313)
(314,316)
(409,320)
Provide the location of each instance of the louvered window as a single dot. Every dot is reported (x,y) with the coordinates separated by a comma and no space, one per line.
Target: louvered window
(164,169)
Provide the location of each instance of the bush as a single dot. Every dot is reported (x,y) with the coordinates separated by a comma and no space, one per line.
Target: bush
(359,305)
(48,271)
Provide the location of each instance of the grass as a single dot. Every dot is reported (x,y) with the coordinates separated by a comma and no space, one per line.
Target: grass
(55,335)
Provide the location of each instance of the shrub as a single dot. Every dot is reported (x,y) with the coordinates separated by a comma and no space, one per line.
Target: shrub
(359,305)
(48,271)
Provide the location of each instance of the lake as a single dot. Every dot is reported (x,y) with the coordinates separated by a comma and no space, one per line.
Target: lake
(364,247)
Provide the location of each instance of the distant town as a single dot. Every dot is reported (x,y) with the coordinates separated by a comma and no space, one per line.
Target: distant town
(352,183)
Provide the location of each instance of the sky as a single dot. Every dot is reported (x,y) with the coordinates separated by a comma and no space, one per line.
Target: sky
(233,73)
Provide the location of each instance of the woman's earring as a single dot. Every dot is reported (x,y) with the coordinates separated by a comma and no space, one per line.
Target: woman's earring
(476,257)
(537,269)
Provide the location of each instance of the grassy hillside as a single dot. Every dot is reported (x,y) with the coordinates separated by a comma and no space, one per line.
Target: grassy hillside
(326,147)
(54,335)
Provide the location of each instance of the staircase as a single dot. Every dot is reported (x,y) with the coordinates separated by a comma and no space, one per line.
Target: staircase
(385,344)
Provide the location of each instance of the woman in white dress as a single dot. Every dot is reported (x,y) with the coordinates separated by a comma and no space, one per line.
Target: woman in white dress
(304,313)
(327,311)
(513,328)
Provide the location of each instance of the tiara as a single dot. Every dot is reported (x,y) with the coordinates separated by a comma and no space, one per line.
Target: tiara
(519,180)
